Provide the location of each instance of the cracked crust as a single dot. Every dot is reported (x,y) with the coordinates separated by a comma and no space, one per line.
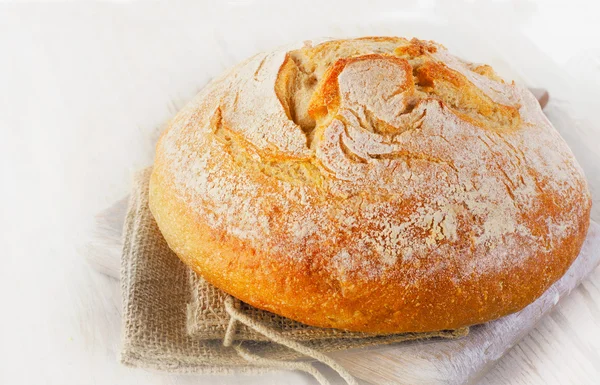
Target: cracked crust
(375,184)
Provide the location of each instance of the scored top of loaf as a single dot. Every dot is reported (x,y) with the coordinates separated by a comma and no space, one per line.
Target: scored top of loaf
(382,150)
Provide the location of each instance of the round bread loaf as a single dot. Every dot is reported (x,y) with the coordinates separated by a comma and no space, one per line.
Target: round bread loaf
(376,184)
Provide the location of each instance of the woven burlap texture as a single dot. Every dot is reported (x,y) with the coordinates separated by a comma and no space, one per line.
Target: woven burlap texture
(175,321)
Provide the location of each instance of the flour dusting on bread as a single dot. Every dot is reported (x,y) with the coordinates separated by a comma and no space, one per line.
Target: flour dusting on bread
(380,156)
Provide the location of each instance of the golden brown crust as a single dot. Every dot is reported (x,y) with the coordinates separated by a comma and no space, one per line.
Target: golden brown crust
(375,184)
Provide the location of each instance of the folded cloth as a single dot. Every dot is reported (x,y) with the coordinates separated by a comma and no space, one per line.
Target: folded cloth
(175,321)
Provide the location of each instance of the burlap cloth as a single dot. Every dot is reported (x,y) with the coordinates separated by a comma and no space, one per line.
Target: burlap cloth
(175,321)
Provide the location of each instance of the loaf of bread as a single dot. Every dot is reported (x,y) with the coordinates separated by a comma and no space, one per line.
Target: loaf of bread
(377,184)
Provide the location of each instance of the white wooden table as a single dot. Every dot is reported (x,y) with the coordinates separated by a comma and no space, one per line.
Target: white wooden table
(84,88)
